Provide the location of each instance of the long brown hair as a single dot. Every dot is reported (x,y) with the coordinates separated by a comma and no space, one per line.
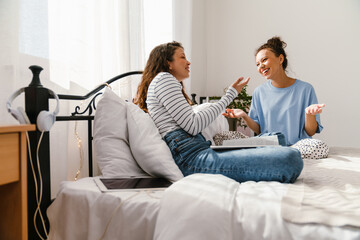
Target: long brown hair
(158,61)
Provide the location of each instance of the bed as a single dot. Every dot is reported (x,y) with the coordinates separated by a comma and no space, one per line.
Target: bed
(204,206)
(324,202)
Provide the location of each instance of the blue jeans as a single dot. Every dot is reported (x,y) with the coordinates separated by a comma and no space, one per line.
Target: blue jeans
(193,155)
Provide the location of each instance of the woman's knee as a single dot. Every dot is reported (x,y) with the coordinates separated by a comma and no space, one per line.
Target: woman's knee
(293,162)
(295,157)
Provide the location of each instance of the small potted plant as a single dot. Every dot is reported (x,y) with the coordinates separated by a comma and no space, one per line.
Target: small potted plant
(243,102)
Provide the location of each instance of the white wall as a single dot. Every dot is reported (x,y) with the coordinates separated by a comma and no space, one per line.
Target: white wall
(182,27)
(323,38)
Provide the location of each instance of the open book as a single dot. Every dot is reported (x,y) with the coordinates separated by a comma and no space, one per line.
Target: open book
(249,142)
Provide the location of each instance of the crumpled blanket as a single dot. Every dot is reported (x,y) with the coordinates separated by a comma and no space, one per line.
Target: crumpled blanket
(200,206)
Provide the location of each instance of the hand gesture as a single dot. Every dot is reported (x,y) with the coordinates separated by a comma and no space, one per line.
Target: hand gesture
(234,113)
(314,109)
(239,84)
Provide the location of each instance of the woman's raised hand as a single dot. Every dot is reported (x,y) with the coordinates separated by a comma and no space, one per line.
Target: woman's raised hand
(234,113)
(314,109)
(240,83)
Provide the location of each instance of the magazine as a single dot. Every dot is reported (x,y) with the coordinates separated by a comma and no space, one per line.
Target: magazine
(250,142)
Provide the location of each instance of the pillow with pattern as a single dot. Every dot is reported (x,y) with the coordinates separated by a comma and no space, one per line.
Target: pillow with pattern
(312,148)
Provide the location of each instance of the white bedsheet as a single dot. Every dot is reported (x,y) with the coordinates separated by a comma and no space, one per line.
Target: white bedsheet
(82,211)
(327,191)
(201,205)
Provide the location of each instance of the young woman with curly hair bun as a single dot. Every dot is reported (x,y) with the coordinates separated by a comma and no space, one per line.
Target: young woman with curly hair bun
(282,104)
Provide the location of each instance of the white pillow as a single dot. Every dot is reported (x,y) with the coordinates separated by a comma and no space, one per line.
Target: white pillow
(220,124)
(111,146)
(149,149)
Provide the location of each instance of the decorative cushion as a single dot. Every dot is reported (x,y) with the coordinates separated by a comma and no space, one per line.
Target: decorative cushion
(220,124)
(149,149)
(127,142)
(312,148)
(111,145)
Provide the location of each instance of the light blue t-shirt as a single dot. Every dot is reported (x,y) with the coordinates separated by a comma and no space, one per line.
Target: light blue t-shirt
(283,109)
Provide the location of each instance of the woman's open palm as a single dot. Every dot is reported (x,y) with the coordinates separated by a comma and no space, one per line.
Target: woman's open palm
(234,113)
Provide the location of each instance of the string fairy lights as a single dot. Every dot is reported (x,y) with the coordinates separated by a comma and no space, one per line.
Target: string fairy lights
(81,150)
(79,143)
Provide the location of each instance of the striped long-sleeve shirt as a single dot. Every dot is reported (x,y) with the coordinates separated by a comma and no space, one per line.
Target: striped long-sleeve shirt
(170,110)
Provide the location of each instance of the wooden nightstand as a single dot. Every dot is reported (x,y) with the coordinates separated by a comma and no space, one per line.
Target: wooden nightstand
(13,181)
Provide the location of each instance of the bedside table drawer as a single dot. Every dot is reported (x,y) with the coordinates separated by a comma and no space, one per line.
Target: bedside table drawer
(9,158)
(13,181)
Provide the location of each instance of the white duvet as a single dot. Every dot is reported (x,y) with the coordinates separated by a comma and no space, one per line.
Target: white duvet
(228,210)
(199,206)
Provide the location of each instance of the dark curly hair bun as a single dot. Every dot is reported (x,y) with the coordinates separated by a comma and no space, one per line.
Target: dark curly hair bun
(277,42)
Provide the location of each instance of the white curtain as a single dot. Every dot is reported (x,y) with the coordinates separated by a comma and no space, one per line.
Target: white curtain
(80,44)
(91,41)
